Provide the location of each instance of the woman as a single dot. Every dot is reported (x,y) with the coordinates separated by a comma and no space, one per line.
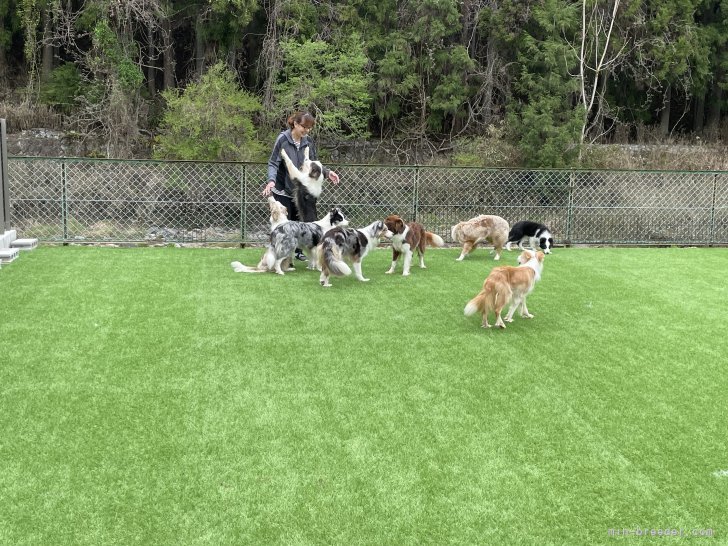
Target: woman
(294,140)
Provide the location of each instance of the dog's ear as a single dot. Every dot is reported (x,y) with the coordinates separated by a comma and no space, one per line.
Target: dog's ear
(399,225)
(315,170)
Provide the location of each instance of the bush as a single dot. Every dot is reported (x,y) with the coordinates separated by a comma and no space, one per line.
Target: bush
(62,88)
(212,120)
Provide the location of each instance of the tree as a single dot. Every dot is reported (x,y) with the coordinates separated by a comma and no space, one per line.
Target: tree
(211,120)
(331,83)
(543,117)
(672,57)
(597,56)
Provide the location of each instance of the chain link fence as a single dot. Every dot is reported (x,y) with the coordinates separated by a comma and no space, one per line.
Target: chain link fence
(69,200)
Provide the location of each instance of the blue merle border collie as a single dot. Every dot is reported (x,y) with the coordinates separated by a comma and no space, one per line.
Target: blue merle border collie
(285,237)
(537,235)
(340,242)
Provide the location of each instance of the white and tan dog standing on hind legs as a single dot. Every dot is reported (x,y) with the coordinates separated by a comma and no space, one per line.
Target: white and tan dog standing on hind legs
(408,238)
(278,216)
(354,244)
(507,284)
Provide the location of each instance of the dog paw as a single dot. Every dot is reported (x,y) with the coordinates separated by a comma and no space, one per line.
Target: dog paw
(389,272)
(509,320)
(405,274)
(364,280)
(529,315)
(460,259)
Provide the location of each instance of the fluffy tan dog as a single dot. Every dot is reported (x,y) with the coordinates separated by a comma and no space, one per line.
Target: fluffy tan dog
(483,228)
(507,284)
(278,216)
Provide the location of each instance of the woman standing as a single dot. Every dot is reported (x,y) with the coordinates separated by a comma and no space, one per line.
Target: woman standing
(294,140)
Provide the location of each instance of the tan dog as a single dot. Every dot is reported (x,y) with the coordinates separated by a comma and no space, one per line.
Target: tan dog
(507,284)
(278,213)
(406,239)
(278,216)
(483,228)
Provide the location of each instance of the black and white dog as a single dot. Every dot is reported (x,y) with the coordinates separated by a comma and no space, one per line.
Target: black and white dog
(339,243)
(537,235)
(307,181)
(286,237)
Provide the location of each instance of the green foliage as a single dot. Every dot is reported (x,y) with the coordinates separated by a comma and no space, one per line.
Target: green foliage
(544,120)
(212,120)
(450,91)
(331,82)
(490,150)
(62,88)
(112,57)
(29,11)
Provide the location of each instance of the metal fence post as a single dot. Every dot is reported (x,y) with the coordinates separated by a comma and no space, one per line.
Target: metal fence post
(711,240)
(64,201)
(570,206)
(243,204)
(415,195)
(4,184)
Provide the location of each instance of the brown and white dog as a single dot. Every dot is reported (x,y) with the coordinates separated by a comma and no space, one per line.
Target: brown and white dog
(278,216)
(483,228)
(406,239)
(507,284)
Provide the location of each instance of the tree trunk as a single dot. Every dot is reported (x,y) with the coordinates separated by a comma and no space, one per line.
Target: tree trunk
(151,62)
(3,59)
(665,114)
(199,46)
(48,49)
(168,59)
(699,114)
(269,62)
(492,61)
(716,96)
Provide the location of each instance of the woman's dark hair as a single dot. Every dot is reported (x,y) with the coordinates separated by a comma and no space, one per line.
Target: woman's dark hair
(302,118)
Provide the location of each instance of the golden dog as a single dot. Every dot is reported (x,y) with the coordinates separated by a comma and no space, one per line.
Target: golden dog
(507,284)
(483,228)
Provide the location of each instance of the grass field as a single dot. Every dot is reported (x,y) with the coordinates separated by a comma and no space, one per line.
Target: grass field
(153,396)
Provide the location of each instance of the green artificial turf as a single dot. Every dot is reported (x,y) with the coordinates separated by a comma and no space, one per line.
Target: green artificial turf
(154,396)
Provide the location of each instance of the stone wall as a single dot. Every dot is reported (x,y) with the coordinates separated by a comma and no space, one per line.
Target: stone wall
(48,143)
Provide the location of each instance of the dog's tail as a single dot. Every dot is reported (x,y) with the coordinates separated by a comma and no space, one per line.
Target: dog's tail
(242,268)
(475,305)
(433,239)
(331,259)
